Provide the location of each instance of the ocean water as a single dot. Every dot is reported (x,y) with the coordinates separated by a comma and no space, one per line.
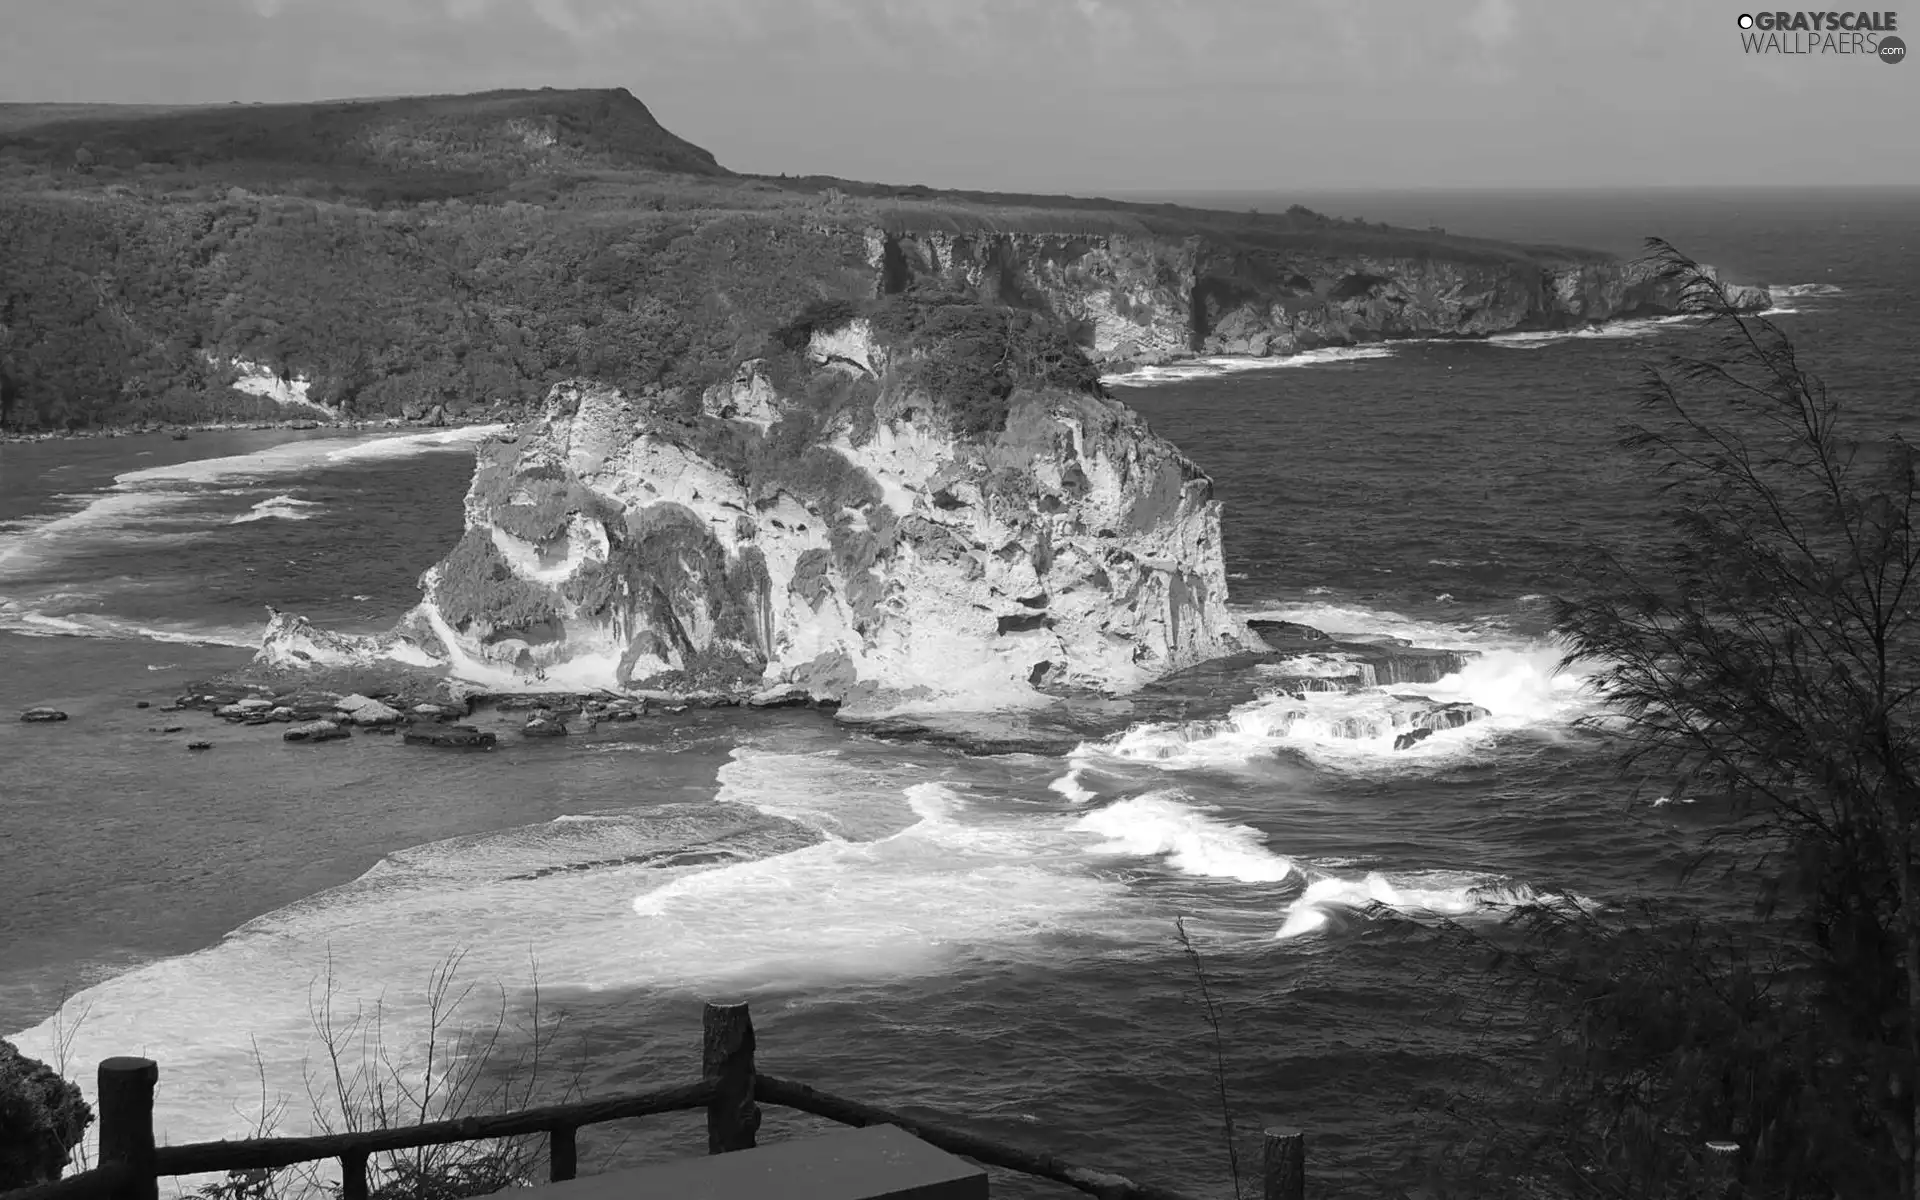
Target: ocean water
(983,934)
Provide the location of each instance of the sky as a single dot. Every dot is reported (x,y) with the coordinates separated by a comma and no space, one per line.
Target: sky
(1063,95)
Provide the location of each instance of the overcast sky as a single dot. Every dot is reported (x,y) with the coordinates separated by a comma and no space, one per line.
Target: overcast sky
(1062,95)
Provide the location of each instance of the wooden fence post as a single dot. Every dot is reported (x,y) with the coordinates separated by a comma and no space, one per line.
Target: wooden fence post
(126,1123)
(353,1175)
(563,1153)
(727,1060)
(1284,1165)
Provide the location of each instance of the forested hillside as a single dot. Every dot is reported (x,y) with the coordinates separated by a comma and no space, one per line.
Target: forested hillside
(466,251)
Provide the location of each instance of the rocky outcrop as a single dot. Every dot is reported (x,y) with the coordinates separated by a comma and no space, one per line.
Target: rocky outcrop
(42,1118)
(1143,297)
(292,641)
(884,559)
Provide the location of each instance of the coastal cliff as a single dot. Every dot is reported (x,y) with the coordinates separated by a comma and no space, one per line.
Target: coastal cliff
(852,525)
(460,255)
(1142,299)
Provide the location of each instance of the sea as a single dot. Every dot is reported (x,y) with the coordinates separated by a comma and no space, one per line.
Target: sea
(918,924)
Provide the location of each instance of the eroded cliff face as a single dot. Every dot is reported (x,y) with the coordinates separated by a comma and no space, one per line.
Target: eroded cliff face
(1145,298)
(885,562)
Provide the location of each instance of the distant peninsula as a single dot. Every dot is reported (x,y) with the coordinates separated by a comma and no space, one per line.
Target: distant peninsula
(455,257)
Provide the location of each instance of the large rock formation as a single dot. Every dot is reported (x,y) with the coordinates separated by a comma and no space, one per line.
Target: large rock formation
(1145,297)
(854,532)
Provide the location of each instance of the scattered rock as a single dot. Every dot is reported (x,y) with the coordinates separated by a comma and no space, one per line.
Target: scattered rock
(673,708)
(457,736)
(1285,631)
(43,714)
(364,710)
(543,725)
(1411,738)
(316,731)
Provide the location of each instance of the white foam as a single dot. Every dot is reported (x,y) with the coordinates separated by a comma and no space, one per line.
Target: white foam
(1518,681)
(915,879)
(1218,365)
(1638,327)
(1071,787)
(1163,824)
(409,444)
(33,623)
(1416,895)
(284,508)
(139,495)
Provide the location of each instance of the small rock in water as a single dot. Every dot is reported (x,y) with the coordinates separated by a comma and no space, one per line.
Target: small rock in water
(364,710)
(1411,737)
(316,731)
(673,708)
(43,714)
(199,745)
(143,704)
(540,725)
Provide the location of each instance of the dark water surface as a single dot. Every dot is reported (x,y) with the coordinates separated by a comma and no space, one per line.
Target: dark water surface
(990,935)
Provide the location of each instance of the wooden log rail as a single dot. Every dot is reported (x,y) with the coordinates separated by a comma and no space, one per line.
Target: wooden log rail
(730,1090)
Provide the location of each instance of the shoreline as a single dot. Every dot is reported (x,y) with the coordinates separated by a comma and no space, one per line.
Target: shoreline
(171,429)
(1110,368)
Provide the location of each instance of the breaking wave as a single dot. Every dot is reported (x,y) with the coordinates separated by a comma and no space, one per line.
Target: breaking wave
(30,622)
(1164,825)
(285,508)
(1327,900)
(1637,327)
(1187,369)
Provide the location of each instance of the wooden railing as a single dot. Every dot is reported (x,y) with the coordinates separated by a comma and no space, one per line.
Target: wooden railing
(730,1089)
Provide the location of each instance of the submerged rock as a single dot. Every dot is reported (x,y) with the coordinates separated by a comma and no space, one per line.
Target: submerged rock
(43,714)
(452,736)
(316,731)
